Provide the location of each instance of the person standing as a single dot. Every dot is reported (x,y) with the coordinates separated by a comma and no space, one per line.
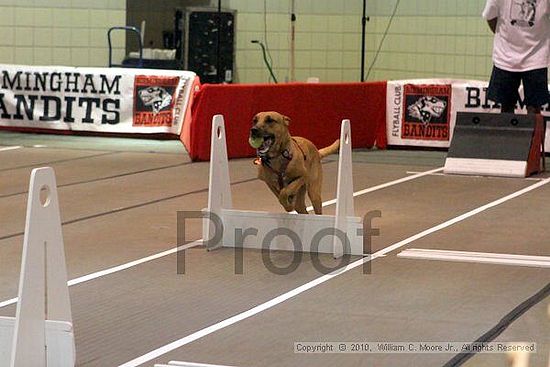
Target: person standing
(521,52)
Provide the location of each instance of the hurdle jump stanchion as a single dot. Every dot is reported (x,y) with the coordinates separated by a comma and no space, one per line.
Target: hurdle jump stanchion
(219,191)
(305,226)
(344,189)
(41,334)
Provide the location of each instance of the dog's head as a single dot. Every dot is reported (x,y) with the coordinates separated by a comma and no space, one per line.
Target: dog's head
(272,128)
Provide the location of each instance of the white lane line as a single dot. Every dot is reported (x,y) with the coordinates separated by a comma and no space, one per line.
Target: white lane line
(384,185)
(8,302)
(305,287)
(188,364)
(131,264)
(476,257)
(477,176)
(5,149)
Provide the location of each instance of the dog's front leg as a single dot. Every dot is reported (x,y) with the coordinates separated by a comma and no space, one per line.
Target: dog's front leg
(289,193)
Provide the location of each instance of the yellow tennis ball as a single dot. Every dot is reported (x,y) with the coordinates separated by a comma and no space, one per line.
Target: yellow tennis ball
(255,142)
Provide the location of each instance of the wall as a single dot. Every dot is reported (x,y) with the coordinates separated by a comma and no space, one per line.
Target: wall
(427,38)
(59,32)
(433,38)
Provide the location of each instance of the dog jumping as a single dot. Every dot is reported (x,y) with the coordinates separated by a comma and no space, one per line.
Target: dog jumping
(289,165)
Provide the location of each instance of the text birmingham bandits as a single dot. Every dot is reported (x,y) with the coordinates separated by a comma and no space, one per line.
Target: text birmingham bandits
(79,95)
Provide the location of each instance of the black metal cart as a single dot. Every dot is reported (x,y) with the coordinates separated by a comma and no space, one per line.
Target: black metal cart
(140,62)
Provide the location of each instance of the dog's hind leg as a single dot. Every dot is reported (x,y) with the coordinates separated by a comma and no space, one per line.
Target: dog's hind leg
(300,201)
(314,193)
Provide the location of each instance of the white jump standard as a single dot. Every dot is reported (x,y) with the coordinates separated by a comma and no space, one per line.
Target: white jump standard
(41,334)
(282,231)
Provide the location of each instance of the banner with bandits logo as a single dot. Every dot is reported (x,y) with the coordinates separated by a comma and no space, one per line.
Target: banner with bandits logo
(426,112)
(154,99)
(422,112)
(113,100)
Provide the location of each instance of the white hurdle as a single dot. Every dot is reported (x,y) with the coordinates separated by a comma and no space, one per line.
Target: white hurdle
(305,228)
(41,334)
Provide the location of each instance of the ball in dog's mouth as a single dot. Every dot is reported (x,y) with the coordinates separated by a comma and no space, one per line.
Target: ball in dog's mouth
(255,142)
(262,144)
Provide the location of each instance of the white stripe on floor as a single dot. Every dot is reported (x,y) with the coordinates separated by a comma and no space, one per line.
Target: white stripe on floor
(384,185)
(131,264)
(188,364)
(5,149)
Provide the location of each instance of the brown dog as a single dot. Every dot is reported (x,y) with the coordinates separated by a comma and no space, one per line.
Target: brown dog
(289,165)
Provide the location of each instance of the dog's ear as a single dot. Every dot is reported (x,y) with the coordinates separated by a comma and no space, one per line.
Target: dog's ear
(286,120)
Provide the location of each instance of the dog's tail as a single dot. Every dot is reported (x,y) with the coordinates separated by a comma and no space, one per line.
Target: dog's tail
(331,149)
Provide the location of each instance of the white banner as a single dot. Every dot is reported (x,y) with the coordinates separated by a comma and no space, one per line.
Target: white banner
(114,100)
(422,112)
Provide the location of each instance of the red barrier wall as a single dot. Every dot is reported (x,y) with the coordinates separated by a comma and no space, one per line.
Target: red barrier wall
(315,110)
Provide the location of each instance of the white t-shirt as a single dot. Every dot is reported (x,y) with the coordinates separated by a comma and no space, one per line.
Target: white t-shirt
(522,37)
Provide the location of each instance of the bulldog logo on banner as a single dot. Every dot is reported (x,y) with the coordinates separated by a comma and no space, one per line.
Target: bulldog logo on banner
(154,100)
(427,112)
(155,97)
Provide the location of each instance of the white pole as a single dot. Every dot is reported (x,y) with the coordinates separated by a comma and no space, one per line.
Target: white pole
(292,40)
(142,31)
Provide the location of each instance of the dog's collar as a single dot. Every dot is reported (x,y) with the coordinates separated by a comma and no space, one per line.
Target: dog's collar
(301,150)
(265,160)
(287,154)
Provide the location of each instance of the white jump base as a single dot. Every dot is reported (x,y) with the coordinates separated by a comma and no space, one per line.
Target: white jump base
(477,257)
(41,334)
(306,227)
(58,338)
(485,167)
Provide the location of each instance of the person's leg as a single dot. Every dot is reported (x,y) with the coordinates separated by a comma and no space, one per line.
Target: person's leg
(535,89)
(503,88)
(508,108)
(533,109)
